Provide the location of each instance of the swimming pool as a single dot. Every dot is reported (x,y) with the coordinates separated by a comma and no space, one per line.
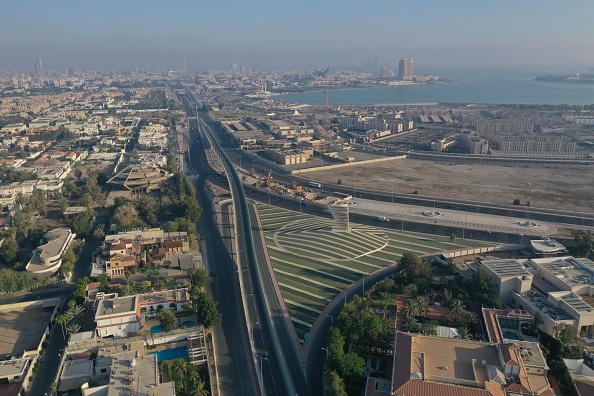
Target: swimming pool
(171,354)
(188,323)
(156,329)
(510,336)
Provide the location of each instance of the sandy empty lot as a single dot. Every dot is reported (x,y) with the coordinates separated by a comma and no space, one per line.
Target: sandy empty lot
(562,188)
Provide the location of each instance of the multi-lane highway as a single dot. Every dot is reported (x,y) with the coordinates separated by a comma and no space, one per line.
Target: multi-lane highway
(254,326)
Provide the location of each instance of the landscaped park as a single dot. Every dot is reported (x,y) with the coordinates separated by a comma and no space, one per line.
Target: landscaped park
(313,263)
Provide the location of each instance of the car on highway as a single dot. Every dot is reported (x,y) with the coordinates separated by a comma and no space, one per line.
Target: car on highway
(518,234)
(383,218)
(486,231)
(326,211)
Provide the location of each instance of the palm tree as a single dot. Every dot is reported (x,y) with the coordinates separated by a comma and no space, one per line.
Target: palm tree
(464,333)
(75,313)
(410,307)
(62,320)
(73,328)
(197,385)
(410,324)
(422,304)
(180,367)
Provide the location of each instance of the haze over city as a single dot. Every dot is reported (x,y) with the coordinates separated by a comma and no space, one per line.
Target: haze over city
(339,198)
(301,34)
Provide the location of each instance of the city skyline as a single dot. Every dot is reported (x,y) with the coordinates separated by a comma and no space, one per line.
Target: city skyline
(113,35)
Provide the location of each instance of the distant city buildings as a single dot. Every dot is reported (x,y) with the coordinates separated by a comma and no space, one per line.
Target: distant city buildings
(38,67)
(388,72)
(406,69)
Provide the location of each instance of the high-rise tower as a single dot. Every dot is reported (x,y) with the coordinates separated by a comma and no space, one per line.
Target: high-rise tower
(406,69)
(38,66)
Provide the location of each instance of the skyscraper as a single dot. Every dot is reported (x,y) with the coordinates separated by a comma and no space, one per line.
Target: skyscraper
(406,69)
(38,67)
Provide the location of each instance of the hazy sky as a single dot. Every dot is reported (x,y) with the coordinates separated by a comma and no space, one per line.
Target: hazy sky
(302,33)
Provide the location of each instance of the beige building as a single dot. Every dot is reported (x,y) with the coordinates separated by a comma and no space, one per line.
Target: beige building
(289,157)
(430,366)
(474,143)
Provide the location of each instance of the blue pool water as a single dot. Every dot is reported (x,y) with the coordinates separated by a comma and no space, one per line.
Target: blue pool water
(510,336)
(188,323)
(156,329)
(171,354)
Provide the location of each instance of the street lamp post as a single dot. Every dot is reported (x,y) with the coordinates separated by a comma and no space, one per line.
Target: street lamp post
(261,372)
(331,320)
(327,352)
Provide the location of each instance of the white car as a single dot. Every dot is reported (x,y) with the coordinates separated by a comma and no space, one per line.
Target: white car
(383,218)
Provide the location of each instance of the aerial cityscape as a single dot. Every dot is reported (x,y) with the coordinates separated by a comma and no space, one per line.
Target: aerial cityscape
(310,198)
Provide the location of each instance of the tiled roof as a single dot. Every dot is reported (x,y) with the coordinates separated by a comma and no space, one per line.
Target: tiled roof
(425,388)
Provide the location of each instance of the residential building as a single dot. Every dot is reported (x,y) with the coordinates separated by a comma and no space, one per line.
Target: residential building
(121,316)
(406,69)
(428,366)
(474,143)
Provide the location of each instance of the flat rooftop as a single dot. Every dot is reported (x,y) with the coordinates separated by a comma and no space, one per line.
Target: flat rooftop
(570,270)
(116,306)
(531,354)
(506,268)
(456,355)
(177,295)
(19,332)
(546,245)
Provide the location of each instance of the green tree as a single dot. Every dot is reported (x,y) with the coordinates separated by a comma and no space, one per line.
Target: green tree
(411,324)
(452,237)
(167,320)
(199,277)
(206,309)
(413,270)
(9,251)
(334,385)
(351,365)
(584,244)
(81,223)
(516,202)
(99,233)
(482,290)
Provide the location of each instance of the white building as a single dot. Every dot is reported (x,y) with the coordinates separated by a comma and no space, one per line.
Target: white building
(47,258)
(121,316)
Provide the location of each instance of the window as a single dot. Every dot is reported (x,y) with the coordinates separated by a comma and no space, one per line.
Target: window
(104,370)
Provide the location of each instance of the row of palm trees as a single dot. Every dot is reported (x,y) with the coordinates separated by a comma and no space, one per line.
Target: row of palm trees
(146,286)
(71,321)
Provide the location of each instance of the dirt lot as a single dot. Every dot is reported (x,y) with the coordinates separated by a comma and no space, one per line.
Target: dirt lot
(563,188)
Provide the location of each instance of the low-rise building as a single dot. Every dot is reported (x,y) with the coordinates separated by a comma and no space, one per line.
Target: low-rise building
(289,157)
(428,366)
(47,258)
(121,316)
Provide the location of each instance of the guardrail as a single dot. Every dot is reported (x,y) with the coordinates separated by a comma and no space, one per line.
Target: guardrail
(230,170)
